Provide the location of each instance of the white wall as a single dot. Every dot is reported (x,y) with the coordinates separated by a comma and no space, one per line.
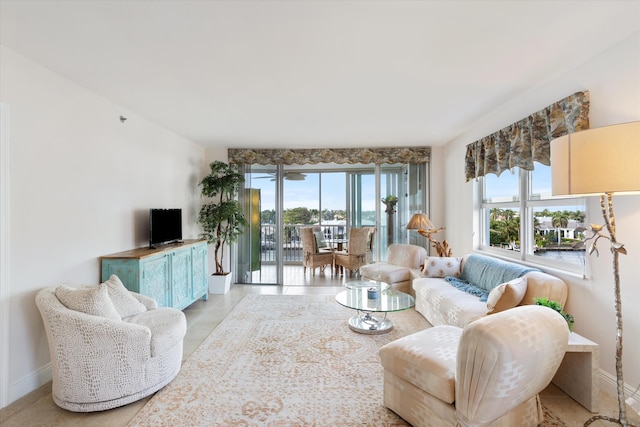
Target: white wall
(613,80)
(81,185)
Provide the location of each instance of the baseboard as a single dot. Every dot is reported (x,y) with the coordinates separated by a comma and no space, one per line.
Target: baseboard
(29,383)
(609,384)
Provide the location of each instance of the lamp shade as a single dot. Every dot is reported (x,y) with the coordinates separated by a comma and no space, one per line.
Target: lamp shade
(419,221)
(597,161)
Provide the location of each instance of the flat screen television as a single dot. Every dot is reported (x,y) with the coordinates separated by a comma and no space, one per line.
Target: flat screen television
(165,226)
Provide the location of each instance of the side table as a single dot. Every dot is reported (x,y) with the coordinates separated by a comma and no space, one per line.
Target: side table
(578,373)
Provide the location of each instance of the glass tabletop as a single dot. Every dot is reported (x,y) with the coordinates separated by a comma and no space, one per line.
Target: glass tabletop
(386,301)
(366,283)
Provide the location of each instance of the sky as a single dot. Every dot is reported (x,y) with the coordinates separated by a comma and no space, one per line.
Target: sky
(506,186)
(503,188)
(306,193)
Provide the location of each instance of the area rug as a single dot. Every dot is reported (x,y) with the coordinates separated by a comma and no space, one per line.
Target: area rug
(282,361)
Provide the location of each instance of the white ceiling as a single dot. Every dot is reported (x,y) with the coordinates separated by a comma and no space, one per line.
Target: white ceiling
(307,74)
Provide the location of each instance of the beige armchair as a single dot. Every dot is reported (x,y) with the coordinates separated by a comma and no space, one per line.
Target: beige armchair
(397,269)
(356,254)
(487,374)
(108,346)
(314,253)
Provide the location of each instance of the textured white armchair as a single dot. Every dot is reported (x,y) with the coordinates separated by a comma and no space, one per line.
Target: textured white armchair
(487,374)
(108,346)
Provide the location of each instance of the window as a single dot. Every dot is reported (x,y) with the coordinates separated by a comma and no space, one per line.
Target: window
(519,218)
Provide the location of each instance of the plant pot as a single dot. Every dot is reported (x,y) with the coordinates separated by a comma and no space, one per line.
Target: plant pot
(219,283)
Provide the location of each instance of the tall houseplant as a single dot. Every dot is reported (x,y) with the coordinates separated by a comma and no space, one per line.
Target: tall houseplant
(222,218)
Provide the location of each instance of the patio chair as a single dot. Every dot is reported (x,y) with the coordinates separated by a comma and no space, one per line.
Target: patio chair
(315,251)
(356,254)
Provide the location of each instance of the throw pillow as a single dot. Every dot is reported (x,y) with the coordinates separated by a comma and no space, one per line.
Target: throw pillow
(442,266)
(126,304)
(507,295)
(93,300)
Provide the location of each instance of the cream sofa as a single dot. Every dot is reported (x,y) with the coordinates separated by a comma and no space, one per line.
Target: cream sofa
(108,346)
(444,298)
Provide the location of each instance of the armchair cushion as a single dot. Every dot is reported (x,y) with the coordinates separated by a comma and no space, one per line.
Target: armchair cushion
(125,303)
(507,295)
(320,242)
(166,325)
(93,300)
(426,359)
(388,273)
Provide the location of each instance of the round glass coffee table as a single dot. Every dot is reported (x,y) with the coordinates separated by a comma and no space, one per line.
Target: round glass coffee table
(368,297)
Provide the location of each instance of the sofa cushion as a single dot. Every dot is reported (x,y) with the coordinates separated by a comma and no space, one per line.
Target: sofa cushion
(125,303)
(426,359)
(506,295)
(487,272)
(93,300)
(442,304)
(387,273)
(442,266)
(168,327)
(541,284)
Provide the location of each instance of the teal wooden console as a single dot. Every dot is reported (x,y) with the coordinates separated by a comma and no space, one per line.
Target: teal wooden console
(175,275)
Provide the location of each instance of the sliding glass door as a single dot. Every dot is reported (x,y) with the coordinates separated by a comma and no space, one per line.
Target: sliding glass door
(281,199)
(260,244)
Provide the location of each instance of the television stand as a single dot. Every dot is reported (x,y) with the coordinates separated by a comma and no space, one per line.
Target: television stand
(175,274)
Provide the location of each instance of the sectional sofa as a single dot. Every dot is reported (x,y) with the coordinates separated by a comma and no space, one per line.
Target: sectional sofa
(458,290)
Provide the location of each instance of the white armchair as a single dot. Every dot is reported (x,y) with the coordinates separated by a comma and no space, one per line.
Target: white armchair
(487,374)
(108,346)
(397,270)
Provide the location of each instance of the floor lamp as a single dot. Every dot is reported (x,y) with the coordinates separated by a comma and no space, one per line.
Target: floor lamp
(601,161)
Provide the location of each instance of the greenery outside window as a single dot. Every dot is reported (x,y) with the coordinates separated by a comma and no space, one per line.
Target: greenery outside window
(520,219)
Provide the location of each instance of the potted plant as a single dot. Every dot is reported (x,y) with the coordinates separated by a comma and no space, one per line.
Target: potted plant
(557,307)
(222,218)
(390,202)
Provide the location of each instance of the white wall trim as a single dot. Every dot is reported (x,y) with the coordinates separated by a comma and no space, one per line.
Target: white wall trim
(4,255)
(30,382)
(609,384)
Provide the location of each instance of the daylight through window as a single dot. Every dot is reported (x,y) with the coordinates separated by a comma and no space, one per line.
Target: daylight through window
(519,218)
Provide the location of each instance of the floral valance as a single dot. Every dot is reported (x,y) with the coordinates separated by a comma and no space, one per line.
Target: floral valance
(390,155)
(527,141)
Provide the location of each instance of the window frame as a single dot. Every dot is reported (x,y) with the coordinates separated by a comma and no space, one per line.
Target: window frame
(526,206)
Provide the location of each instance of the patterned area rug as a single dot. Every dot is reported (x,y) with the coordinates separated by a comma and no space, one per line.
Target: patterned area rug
(282,361)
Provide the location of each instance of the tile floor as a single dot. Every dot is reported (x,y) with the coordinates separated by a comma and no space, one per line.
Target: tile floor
(38,409)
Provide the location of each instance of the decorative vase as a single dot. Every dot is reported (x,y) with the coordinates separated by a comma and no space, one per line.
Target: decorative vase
(219,283)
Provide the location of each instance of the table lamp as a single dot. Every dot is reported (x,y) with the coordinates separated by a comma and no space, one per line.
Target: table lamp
(601,161)
(421,222)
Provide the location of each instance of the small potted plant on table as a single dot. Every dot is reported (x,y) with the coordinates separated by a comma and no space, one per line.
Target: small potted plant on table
(557,307)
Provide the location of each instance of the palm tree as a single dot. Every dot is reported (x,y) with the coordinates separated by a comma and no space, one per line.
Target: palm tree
(559,220)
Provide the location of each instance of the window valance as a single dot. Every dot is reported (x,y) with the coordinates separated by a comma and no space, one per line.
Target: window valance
(527,140)
(389,155)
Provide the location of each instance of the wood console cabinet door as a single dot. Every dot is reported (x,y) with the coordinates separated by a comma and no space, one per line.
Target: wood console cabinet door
(181,278)
(155,279)
(148,276)
(199,261)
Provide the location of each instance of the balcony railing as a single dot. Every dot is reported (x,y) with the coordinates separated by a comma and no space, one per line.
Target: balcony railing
(291,242)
